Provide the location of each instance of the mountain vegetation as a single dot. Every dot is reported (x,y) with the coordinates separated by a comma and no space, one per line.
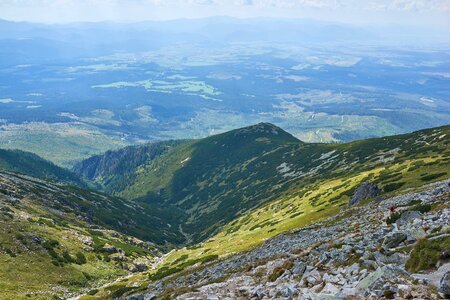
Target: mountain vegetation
(59,239)
(30,164)
(215,180)
(207,199)
(114,170)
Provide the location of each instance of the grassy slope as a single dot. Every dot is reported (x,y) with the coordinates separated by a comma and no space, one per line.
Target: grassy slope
(41,221)
(396,163)
(30,164)
(410,167)
(217,179)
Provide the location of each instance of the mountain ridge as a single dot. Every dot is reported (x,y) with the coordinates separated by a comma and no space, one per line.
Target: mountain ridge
(31,164)
(218,178)
(205,200)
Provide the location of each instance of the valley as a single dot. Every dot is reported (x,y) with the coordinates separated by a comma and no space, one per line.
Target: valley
(224,150)
(201,202)
(193,85)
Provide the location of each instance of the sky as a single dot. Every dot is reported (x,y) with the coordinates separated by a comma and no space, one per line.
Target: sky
(417,12)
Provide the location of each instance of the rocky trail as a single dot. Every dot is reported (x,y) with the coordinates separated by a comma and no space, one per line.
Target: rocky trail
(353,255)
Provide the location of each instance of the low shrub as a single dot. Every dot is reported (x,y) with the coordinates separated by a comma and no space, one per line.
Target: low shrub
(423,208)
(432,176)
(80,259)
(393,186)
(163,272)
(426,253)
(393,217)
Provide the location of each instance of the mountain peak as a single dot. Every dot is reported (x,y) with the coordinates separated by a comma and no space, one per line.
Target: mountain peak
(264,131)
(262,127)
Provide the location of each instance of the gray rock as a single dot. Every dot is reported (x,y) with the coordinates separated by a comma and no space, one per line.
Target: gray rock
(364,191)
(395,258)
(394,240)
(258,292)
(314,278)
(377,279)
(299,268)
(330,289)
(407,216)
(111,249)
(141,267)
(287,290)
(444,285)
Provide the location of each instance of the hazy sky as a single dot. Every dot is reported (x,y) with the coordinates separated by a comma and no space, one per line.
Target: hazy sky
(419,12)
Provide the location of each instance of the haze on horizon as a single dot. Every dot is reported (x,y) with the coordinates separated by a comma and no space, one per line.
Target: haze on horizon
(420,13)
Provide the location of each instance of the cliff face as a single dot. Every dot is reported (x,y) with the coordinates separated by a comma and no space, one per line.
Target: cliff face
(113,170)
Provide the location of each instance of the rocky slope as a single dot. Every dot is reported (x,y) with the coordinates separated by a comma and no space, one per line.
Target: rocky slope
(353,255)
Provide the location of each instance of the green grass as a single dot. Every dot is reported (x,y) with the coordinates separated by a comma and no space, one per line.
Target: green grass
(241,235)
(215,180)
(426,253)
(41,250)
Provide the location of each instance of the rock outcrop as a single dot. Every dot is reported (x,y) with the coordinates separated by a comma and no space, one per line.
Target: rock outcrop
(364,191)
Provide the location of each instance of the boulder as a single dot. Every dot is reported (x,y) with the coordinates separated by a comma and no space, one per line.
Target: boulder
(364,191)
(377,279)
(141,267)
(444,285)
(394,240)
(395,258)
(111,249)
(119,257)
(299,268)
(408,216)
(330,289)
(415,233)
(287,290)
(258,292)
(314,278)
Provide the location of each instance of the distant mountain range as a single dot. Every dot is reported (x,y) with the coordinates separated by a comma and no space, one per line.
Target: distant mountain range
(75,40)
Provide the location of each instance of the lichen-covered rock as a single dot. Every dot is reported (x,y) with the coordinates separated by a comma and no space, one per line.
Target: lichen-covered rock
(364,191)
(299,268)
(376,280)
(444,285)
(408,216)
(394,240)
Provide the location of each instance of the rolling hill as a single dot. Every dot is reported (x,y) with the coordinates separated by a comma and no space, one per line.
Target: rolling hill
(214,180)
